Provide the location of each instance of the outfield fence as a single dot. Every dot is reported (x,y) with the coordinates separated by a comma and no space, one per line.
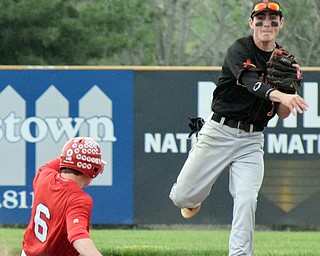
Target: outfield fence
(139,116)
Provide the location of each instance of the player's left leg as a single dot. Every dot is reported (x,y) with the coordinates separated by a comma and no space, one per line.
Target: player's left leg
(246,175)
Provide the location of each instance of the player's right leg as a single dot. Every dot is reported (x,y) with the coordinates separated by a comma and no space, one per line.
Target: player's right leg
(210,155)
(190,212)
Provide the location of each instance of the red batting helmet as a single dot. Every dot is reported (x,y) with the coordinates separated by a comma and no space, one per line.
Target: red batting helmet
(82,154)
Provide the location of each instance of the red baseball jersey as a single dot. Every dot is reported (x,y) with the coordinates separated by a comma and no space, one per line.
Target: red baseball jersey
(60,214)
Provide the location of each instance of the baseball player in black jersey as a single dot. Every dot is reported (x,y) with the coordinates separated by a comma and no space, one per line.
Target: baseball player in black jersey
(232,137)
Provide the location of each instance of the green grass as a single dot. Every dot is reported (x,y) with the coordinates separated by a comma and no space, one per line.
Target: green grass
(181,242)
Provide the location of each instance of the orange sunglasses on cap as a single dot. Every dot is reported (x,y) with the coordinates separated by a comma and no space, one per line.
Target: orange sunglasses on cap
(266,6)
(262,6)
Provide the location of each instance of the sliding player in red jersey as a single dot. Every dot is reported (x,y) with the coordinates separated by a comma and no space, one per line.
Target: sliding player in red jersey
(60,218)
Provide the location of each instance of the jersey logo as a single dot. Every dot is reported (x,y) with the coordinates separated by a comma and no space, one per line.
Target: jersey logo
(76,221)
(257,86)
(248,64)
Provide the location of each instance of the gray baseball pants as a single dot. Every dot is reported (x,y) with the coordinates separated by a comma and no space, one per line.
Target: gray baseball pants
(218,147)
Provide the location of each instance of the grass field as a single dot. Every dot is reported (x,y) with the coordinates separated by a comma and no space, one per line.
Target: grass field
(137,242)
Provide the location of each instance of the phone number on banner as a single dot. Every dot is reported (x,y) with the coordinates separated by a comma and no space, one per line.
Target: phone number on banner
(12,199)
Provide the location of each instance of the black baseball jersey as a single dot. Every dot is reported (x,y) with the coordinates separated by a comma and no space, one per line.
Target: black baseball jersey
(241,93)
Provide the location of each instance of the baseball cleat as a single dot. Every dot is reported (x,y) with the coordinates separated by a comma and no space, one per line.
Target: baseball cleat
(190,212)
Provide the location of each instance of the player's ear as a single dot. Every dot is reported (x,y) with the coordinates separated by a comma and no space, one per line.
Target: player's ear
(251,22)
(281,22)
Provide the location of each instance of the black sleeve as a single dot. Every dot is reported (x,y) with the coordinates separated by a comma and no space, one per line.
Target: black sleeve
(242,64)
(254,85)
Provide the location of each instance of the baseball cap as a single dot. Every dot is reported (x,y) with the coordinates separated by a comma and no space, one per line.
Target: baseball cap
(265,5)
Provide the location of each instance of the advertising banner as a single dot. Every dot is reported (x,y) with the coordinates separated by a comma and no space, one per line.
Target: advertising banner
(40,110)
(164,101)
(140,119)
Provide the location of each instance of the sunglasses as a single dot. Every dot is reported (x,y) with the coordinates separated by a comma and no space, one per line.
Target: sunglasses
(262,6)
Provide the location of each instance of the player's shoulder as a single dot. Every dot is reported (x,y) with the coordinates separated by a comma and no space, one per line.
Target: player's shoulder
(53,165)
(79,197)
(239,50)
(47,170)
(242,43)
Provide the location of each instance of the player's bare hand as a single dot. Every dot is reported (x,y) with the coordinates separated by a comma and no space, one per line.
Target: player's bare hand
(293,101)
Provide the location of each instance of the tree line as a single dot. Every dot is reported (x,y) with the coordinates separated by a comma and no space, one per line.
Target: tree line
(138,32)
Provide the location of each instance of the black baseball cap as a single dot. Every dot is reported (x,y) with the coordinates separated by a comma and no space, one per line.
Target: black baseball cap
(266,5)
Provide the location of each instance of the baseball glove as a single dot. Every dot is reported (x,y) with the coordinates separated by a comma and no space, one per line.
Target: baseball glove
(283,72)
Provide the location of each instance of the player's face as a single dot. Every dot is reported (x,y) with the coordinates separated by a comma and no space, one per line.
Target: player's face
(266,26)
